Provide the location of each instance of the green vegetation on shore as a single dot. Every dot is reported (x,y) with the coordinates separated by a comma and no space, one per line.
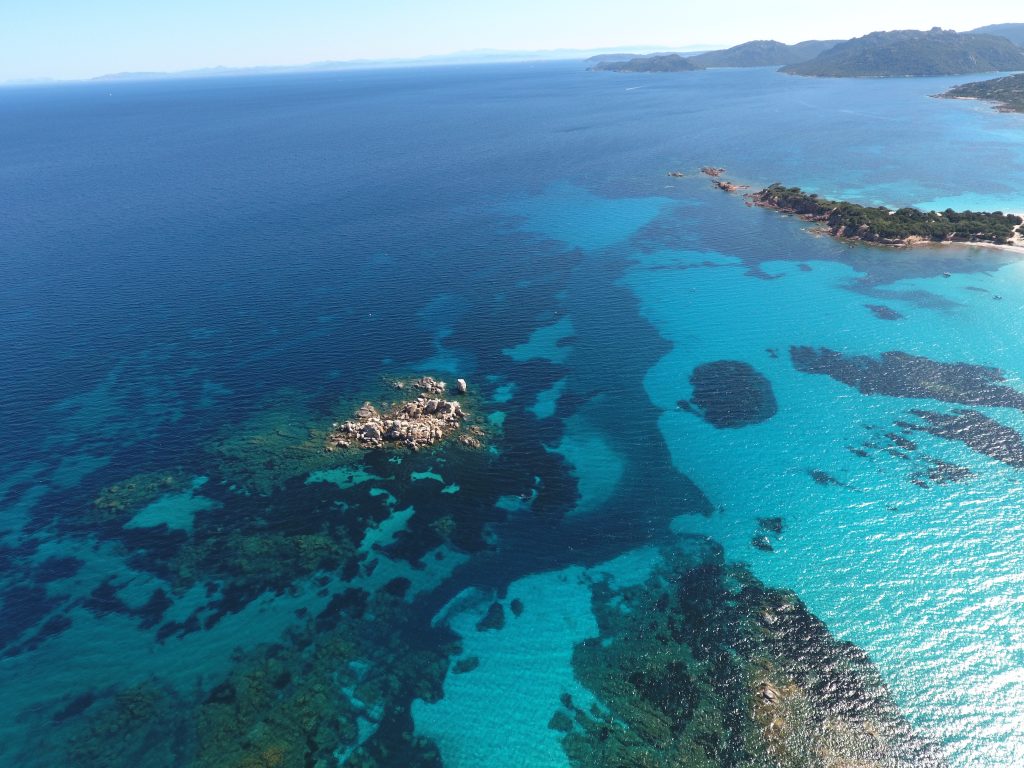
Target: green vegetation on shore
(1006,92)
(913,53)
(888,227)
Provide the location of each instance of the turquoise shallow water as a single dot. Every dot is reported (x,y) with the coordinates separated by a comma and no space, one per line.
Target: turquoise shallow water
(208,273)
(891,566)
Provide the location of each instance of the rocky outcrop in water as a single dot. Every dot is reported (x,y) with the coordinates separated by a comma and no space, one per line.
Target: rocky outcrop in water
(705,666)
(729,186)
(413,424)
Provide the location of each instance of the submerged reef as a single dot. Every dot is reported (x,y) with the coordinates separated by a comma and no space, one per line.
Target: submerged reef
(276,506)
(703,665)
(977,431)
(118,502)
(280,441)
(898,374)
(360,533)
(336,691)
(136,726)
(731,394)
(883,312)
(925,470)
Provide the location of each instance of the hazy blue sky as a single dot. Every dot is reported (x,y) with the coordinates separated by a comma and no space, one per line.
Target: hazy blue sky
(83,38)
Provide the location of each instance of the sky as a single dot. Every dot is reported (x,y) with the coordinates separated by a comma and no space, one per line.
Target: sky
(73,39)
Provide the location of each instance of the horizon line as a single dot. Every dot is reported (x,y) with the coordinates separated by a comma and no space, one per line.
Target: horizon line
(482,55)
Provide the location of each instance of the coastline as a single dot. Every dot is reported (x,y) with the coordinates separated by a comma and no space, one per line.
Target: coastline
(835,220)
(716,175)
(918,243)
(752,199)
(995,104)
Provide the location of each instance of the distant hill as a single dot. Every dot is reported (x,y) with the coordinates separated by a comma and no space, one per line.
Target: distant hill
(605,57)
(912,53)
(671,62)
(602,58)
(763,53)
(1012,32)
(1006,92)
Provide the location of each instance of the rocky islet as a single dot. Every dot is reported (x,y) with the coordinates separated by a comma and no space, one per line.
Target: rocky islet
(426,420)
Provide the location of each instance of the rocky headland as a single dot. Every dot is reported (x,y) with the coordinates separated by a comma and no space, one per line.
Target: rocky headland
(1007,93)
(901,227)
(426,419)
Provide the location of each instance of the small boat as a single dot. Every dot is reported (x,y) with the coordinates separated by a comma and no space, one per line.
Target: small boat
(946,274)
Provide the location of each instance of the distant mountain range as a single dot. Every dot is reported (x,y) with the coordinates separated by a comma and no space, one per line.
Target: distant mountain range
(902,53)
(906,53)
(756,53)
(763,53)
(912,53)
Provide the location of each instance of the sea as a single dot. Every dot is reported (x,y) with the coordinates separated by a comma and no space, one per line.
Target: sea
(201,276)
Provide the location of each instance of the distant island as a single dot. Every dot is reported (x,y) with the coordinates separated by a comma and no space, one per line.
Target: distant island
(1006,92)
(763,53)
(601,58)
(913,53)
(901,227)
(671,62)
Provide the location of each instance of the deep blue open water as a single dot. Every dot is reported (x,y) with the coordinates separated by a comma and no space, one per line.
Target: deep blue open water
(200,276)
